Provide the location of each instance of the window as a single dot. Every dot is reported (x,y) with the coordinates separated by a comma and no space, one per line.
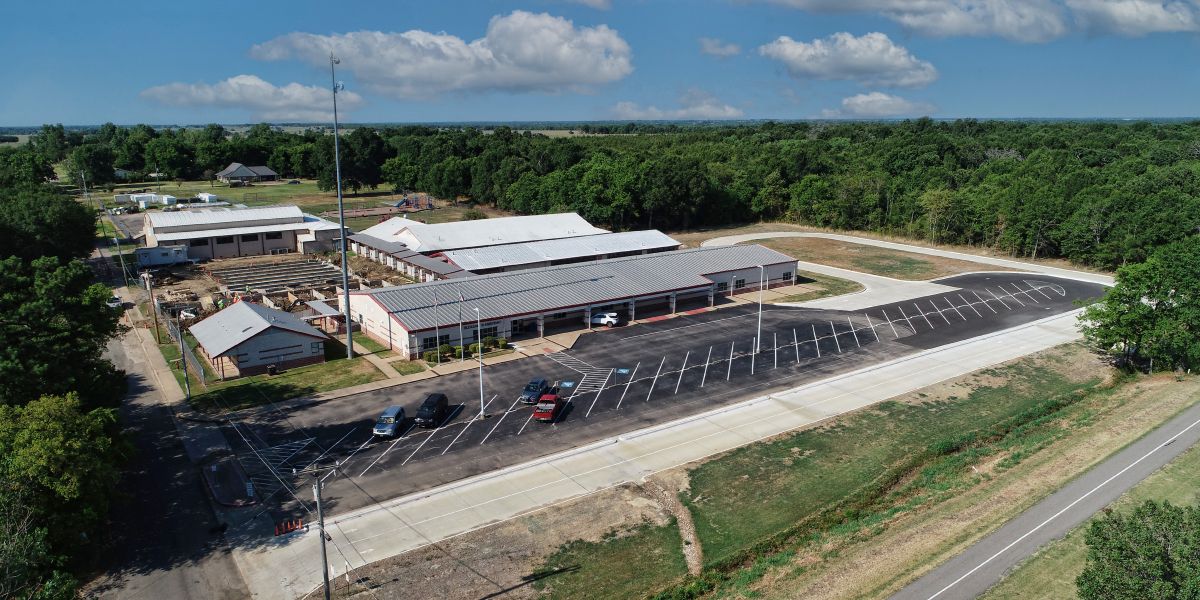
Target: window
(722,286)
(250,237)
(739,284)
(225,240)
(164,254)
(317,347)
(489,331)
(195,243)
(787,275)
(431,343)
(274,235)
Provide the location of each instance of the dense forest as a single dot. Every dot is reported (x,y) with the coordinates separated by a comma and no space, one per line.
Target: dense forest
(1100,194)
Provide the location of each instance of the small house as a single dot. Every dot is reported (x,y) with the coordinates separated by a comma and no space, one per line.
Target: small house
(247,338)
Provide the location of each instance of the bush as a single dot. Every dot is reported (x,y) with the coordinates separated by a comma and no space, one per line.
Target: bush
(458,352)
(489,342)
(501,343)
(474,348)
(473,214)
(446,349)
(430,356)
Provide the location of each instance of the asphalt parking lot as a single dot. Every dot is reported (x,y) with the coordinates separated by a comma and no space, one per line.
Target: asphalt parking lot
(617,381)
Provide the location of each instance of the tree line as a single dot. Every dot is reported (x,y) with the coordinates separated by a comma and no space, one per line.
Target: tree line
(1097,193)
(60,443)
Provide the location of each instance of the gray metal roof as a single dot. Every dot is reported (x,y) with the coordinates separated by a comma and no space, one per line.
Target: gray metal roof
(510,255)
(223,331)
(310,223)
(427,238)
(221,216)
(390,247)
(547,289)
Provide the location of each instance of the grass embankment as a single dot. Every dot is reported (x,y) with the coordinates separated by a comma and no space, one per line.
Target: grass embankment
(871,259)
(1052,571)
(373,346)
(756,507)
(220,396)
(623,565)
(826,285)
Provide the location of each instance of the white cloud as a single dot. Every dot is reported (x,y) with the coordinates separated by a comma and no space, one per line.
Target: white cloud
(877,105)
(715,47)
(520,52)
(1019,20)
(1135,17)
(266,101)
(871,59)
(695,104)
(596,4)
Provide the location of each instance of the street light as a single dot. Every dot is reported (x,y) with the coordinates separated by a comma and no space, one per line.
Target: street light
(762,275)
(337,86)
(479,340)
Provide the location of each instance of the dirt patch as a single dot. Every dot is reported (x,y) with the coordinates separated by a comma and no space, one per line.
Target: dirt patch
(666,487)
(501,560)
(872,259)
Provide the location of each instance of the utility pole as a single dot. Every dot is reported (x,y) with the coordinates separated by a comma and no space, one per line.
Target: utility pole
(187,384)
(337,168)
(479,340)
(153,306)
(321,531)
(104,228)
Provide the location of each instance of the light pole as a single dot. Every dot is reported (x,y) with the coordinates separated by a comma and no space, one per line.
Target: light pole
(762,275)
(321,532)
(479,340)
(337,169)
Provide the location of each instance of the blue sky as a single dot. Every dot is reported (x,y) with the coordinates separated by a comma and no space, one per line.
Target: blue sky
(496,60)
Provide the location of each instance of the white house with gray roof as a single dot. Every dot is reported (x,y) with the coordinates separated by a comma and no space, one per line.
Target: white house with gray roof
(246,338)
(212,233)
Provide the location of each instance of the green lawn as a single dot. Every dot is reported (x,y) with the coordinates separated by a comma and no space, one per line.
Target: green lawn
(408,367)
(1052,571)
(372,346)
(624,565)
(831,286)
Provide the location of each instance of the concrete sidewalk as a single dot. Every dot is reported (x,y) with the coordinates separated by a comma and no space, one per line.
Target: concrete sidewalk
(403,524)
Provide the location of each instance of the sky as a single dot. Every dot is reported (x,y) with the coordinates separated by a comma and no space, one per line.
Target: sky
(85,63)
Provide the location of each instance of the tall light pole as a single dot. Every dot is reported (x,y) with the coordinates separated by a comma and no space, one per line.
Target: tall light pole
(479,340)
(337,169)
(762,275)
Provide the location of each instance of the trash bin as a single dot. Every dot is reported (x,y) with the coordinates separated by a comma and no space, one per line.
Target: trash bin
(272,370)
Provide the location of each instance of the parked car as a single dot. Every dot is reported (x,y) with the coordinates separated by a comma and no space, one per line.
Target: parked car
(294,182)
(432,411)
(114,302)
(534,390)
(606,319)
(389,422)
(549,407)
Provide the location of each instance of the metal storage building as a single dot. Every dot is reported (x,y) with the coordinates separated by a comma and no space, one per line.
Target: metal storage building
(414,318)
(545,253)
(224,233)
(426,239)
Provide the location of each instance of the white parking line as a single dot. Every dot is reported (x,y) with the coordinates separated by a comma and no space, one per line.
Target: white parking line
(889,321)
(682,370)
(835,340)
(1039,290)
(656,332)
(522,429)
(1027,294)
(729,369)
(985,302)
(753,353)
(796,343)
(855,333)
(939,312)
(499,421)
(427,438)
(464,429)
(389,449)
(660,366)
(775,341)
(869,322)
(998,298)
(969,305)
(704,376)
(628,383)
(598,392)
(954,307)
(816,340)
(1010,295)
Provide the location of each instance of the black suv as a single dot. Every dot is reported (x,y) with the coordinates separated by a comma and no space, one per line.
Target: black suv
(534,390)
(432,411)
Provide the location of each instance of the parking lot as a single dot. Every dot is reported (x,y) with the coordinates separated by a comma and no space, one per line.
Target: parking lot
(615,381)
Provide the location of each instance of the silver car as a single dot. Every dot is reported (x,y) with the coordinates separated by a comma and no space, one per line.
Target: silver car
(389,422)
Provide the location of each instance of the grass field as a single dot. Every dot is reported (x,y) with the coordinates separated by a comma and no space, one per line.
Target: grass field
(870,259)
(624,565)
(1052,571)
(756,505)
(407,367)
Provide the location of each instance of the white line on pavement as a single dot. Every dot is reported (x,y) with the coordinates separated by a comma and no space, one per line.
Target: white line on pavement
(427,438)
(464,429)
(499,421)
(889,322)
(954,307)
(660,366)
(682,370)
(939,311)
(970,306)
(855,333)
(627,384)
(704,376)
(985,302)
(835,340)
(388,449)
(598,392)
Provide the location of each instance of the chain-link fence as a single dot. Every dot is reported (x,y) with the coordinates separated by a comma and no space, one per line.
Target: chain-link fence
(187,354)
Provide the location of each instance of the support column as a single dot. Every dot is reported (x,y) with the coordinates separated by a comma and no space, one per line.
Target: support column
(587,316)
(712,295)
(632,310)
(672,302)
(541,325)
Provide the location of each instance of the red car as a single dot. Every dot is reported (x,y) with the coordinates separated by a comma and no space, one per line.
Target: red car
(548,407)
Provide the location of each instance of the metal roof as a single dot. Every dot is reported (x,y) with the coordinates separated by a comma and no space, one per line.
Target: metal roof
(509,255)
(422,306)
(220,216)
(323,309)
(310,223)
(427,238)
(223,331)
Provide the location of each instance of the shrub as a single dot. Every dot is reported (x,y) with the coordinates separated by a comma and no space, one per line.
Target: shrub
(501,343)
(446,349)
(474,348)
(473,214)
(489,342)
(430,356)
(458,352)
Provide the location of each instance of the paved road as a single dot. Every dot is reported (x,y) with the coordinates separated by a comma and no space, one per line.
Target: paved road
(164,544)
(982,565)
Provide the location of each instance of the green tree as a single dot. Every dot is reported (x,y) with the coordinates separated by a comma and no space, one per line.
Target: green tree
(51,142)
(95,161)
(41,222)
(1151,314)
(23,167)
(1151,554)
